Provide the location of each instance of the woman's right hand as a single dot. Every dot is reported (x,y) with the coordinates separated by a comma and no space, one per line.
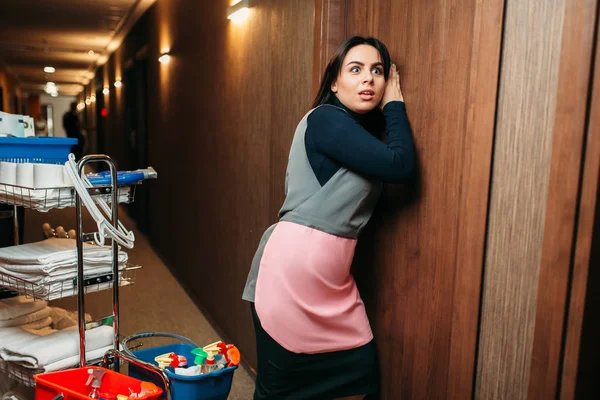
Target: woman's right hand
(392,88)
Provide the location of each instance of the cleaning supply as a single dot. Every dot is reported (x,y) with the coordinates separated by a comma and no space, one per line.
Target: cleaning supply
(210,364)
(200,355)
(123,177)
(95,381)
(194,370)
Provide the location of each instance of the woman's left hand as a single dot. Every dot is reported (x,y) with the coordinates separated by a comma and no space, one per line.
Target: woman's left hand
(392,88)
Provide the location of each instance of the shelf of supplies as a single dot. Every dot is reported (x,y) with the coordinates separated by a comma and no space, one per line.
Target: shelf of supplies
(68,287)
(46,199)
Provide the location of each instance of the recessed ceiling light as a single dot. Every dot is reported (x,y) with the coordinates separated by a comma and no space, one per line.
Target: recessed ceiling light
(91,53)
(49,70)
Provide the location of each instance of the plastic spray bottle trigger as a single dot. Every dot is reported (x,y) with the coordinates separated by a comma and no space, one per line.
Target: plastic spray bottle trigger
(210,363)
(95,380)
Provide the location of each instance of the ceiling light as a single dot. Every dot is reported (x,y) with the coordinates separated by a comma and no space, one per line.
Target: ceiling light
(93,98)
(88,101)
(117,83)
(164,58)
(91,53)
(50,84)
(239,11)
(106,90)
(54,94)
(49,70)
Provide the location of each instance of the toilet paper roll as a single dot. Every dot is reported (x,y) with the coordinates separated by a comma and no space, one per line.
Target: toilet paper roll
(48,175)
(8,173)
(66,178)
(25,175)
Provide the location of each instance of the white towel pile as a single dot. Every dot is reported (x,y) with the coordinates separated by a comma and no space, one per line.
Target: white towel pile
(52,351)
(47,269)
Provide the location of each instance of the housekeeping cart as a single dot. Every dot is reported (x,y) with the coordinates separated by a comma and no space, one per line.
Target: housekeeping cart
(55,151)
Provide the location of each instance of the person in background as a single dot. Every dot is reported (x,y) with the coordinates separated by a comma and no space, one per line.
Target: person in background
(72,127)
(41,127)
(313,337)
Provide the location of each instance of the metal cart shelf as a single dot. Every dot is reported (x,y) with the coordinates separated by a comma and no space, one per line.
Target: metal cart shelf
(45,199)
(61,197)
(67,287)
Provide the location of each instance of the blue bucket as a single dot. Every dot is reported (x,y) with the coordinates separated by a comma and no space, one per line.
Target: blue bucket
(211,386)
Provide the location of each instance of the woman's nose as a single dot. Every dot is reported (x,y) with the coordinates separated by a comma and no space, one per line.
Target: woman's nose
(368,77)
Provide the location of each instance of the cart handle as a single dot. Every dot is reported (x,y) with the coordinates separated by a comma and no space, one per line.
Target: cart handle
(142,364)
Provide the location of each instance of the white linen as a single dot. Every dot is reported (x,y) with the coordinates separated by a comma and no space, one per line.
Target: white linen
(50,254)
(34,351)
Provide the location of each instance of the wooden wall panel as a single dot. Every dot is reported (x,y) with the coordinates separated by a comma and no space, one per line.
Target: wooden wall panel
(541,122)
(589,211)
(522,156)
(419,262)
(563,191)
(329,32)
(223,114)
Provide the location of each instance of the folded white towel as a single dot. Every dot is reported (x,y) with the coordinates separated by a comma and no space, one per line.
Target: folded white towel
(40,351)
(56,276)
(50,254)
(17,306)
(90,355)
(27,318)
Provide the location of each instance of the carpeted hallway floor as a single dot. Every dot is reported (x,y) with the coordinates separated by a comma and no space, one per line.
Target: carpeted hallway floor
(155,303)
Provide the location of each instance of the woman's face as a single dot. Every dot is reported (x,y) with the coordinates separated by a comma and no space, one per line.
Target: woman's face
(361,81)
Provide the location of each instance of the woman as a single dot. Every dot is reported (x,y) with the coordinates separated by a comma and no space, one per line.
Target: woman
(313,336)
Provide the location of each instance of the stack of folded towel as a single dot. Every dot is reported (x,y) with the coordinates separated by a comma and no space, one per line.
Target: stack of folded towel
(47,268)
(53,350)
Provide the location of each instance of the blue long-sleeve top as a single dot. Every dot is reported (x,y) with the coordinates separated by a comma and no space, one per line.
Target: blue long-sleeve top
(336,137)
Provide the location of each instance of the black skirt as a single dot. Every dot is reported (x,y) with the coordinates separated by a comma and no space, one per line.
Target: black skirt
(283,374)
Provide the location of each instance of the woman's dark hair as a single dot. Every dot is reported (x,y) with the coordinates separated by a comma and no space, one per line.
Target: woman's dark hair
(325,95)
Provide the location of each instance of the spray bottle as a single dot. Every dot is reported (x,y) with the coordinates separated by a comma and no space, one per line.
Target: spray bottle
(95,381)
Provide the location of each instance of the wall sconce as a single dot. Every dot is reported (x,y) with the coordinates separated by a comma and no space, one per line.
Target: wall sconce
(239,11)
(164,58)
(106,90)
(118,83)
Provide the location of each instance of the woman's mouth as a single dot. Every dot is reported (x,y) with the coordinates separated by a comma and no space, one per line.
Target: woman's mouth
(366,94)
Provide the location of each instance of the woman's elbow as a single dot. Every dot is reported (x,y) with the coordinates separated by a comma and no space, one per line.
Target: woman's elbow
(405,170)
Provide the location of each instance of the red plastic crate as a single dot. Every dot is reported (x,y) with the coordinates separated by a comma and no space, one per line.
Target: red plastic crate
(72,383)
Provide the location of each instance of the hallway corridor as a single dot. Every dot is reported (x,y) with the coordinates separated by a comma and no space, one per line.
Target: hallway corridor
(156,302)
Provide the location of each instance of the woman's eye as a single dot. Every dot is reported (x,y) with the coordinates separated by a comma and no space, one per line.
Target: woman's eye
(377,71)
(355,69)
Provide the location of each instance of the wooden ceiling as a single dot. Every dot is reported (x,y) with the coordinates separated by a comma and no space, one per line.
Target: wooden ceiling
(73,36)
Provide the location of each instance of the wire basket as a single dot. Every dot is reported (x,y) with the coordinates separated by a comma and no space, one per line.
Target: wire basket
(46,199)
(68,286)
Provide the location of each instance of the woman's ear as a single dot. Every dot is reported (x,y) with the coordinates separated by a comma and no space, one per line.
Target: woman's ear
(334,87)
